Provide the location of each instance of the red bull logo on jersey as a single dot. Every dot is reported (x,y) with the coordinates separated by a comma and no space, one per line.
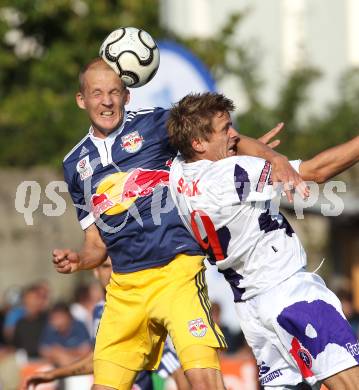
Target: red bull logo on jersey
(197,327)
(132,142)
(142,182)
(100,204)
(117,192)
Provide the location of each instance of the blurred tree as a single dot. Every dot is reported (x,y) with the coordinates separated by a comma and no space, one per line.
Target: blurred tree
(44,43)
(42,46)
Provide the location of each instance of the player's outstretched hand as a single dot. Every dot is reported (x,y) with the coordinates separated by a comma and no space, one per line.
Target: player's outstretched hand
(284,173)
(268,137)
(32,381)
(65,261)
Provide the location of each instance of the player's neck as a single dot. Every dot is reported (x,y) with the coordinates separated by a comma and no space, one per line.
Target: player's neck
(102,133)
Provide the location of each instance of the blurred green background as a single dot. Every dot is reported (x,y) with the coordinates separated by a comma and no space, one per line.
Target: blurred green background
(43,45)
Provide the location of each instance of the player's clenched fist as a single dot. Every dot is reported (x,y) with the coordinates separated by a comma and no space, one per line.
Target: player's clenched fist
(65,261)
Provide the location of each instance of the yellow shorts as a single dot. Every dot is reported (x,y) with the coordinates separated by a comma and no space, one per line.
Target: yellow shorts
(142,306)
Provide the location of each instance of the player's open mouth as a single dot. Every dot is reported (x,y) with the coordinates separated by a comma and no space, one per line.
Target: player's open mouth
(232,150)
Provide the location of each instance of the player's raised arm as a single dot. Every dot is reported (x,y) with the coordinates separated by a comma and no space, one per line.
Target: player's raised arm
(282,171)
(330,162)
(92,254)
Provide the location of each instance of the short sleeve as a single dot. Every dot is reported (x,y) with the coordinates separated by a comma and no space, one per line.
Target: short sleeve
(295,164)
(247,179)
(82,205)
(161,117)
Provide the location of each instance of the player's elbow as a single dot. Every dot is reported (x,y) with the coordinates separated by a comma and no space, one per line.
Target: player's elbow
(321,177)
(316,177)
(310,172)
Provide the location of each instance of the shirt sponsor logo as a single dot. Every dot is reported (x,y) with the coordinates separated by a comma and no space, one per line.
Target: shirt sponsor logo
(84,168)
(132,142)
(272,375)
(188,189)
(100,203)
(197,327)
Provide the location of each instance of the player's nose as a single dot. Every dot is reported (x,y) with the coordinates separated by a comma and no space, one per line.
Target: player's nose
(232,132)
(107,100)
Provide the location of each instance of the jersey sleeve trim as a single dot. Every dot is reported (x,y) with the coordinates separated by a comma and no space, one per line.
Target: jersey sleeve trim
(87,221)
(295,164)
(75,147)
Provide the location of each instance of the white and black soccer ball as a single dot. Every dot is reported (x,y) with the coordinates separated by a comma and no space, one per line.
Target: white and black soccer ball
(133,54)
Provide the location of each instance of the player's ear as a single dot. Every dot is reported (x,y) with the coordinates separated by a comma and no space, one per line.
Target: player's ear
(198,145)
(127,98)
(80,101)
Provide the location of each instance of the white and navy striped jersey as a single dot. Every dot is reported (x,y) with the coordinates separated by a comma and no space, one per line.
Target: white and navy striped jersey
(232,209)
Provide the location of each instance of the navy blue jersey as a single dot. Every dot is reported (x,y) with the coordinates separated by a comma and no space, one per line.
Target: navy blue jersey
(121,184)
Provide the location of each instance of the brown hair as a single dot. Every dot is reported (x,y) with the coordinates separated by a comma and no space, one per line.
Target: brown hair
(191,118)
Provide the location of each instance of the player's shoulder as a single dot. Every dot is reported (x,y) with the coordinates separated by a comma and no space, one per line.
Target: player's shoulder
(145,114)
(81,149)
(239,160)
(247,164)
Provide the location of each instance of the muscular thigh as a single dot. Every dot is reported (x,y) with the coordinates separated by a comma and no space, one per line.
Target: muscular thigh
(188,319)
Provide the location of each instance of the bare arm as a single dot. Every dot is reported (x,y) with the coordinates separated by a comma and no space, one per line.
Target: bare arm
(80,367)
(331,162)
(92,254)
(282,171)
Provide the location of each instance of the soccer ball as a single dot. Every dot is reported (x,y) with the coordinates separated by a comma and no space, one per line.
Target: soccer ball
(132,54)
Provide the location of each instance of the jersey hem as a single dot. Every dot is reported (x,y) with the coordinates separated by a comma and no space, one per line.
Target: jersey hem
(159,263)
(87,221)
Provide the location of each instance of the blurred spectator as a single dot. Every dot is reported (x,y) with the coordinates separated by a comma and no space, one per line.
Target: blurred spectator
(85,299)
(29,328)
(64,339)
(235,340)
(44,292)
(346,299)
(16,307)
(2,320)
(13,311)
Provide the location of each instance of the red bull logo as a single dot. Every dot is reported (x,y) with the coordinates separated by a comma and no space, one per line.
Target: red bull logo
(117,192)
(100,204)
(132,142)
(142,182)
(197,327)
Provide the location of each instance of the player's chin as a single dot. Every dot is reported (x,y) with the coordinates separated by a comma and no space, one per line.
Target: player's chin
(107,125)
